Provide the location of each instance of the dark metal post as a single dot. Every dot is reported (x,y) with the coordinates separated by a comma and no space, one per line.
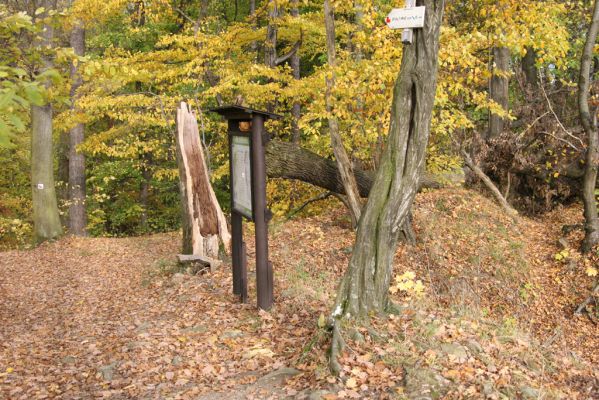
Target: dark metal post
(236,231)
(263,272)
(244,273)
(237,251)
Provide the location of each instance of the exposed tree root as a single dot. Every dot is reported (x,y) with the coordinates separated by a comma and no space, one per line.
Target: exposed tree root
(582,307)
(337,347)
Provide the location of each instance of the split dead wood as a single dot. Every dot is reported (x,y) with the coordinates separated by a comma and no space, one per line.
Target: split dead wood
(202,218)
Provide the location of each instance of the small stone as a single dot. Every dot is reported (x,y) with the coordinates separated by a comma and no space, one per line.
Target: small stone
(232,334)
(107,371)
(195,329)
(530,393)
(177,360)
(318,395)
(474,347)
(178,278)
(69,360)
(455,351)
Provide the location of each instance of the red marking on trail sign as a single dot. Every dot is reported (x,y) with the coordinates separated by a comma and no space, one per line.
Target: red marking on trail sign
(387,20)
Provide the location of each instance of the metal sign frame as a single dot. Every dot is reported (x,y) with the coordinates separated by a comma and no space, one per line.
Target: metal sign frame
(253,122)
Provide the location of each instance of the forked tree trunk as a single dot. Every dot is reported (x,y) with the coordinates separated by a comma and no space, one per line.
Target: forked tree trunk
(46,220)
(77,209)
(589,122)
(498,89)
(365,286)
(343,162)
(202,218)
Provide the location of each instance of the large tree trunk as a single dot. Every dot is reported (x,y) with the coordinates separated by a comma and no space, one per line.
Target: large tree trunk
(499,89)
(289,161)
(46,220)
(343,162)
(364,288)
(203,221)
(144,190)
(589,122)
(77,209)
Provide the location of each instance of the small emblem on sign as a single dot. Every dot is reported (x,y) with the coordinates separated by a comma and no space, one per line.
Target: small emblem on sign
(40,186)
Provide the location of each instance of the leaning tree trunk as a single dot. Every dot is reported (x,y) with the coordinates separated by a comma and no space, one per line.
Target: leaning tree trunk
(77,209)
(343,162)
(498,89)
(203,221)
(589,122)
(46,220)
(365,286)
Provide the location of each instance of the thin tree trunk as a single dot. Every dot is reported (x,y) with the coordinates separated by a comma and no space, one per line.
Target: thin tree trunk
(62,174)
(498,89)
(77,209)
(294,62)
(589,123)
(144,190)
(529,68)
(270,45)
(343,162)
(364,288)
(46,220)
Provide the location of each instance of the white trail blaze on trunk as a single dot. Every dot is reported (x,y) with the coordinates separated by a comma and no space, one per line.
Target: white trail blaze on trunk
(203,220)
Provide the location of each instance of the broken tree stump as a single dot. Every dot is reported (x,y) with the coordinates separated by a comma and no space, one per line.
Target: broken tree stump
(203,221)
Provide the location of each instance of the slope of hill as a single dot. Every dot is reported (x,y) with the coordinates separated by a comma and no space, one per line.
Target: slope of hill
(114,318)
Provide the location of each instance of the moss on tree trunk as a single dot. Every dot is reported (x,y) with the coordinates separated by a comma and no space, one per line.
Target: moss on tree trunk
(364,288)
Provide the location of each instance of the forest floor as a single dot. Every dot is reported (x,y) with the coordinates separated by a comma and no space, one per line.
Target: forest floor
(113,318)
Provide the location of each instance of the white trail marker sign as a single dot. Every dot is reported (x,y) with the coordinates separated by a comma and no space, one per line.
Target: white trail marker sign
(406,18)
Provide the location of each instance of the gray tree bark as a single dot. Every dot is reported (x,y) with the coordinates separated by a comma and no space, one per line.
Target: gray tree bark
(529,68)
(144,190)
(589,123)
(289,161)
(270,45)
(364,288)
(77,209)
(343,162)
(499,89)
(294,62)
(46,220)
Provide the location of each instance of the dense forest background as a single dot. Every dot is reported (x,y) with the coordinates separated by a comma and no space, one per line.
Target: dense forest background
(507,92)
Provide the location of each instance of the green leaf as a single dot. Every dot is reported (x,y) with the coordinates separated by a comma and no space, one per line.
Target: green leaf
(34,95)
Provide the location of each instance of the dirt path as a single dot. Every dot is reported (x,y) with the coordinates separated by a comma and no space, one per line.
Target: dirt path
(78,319)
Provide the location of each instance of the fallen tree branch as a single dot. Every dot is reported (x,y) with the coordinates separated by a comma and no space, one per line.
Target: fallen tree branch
(489,184)
(290,161)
